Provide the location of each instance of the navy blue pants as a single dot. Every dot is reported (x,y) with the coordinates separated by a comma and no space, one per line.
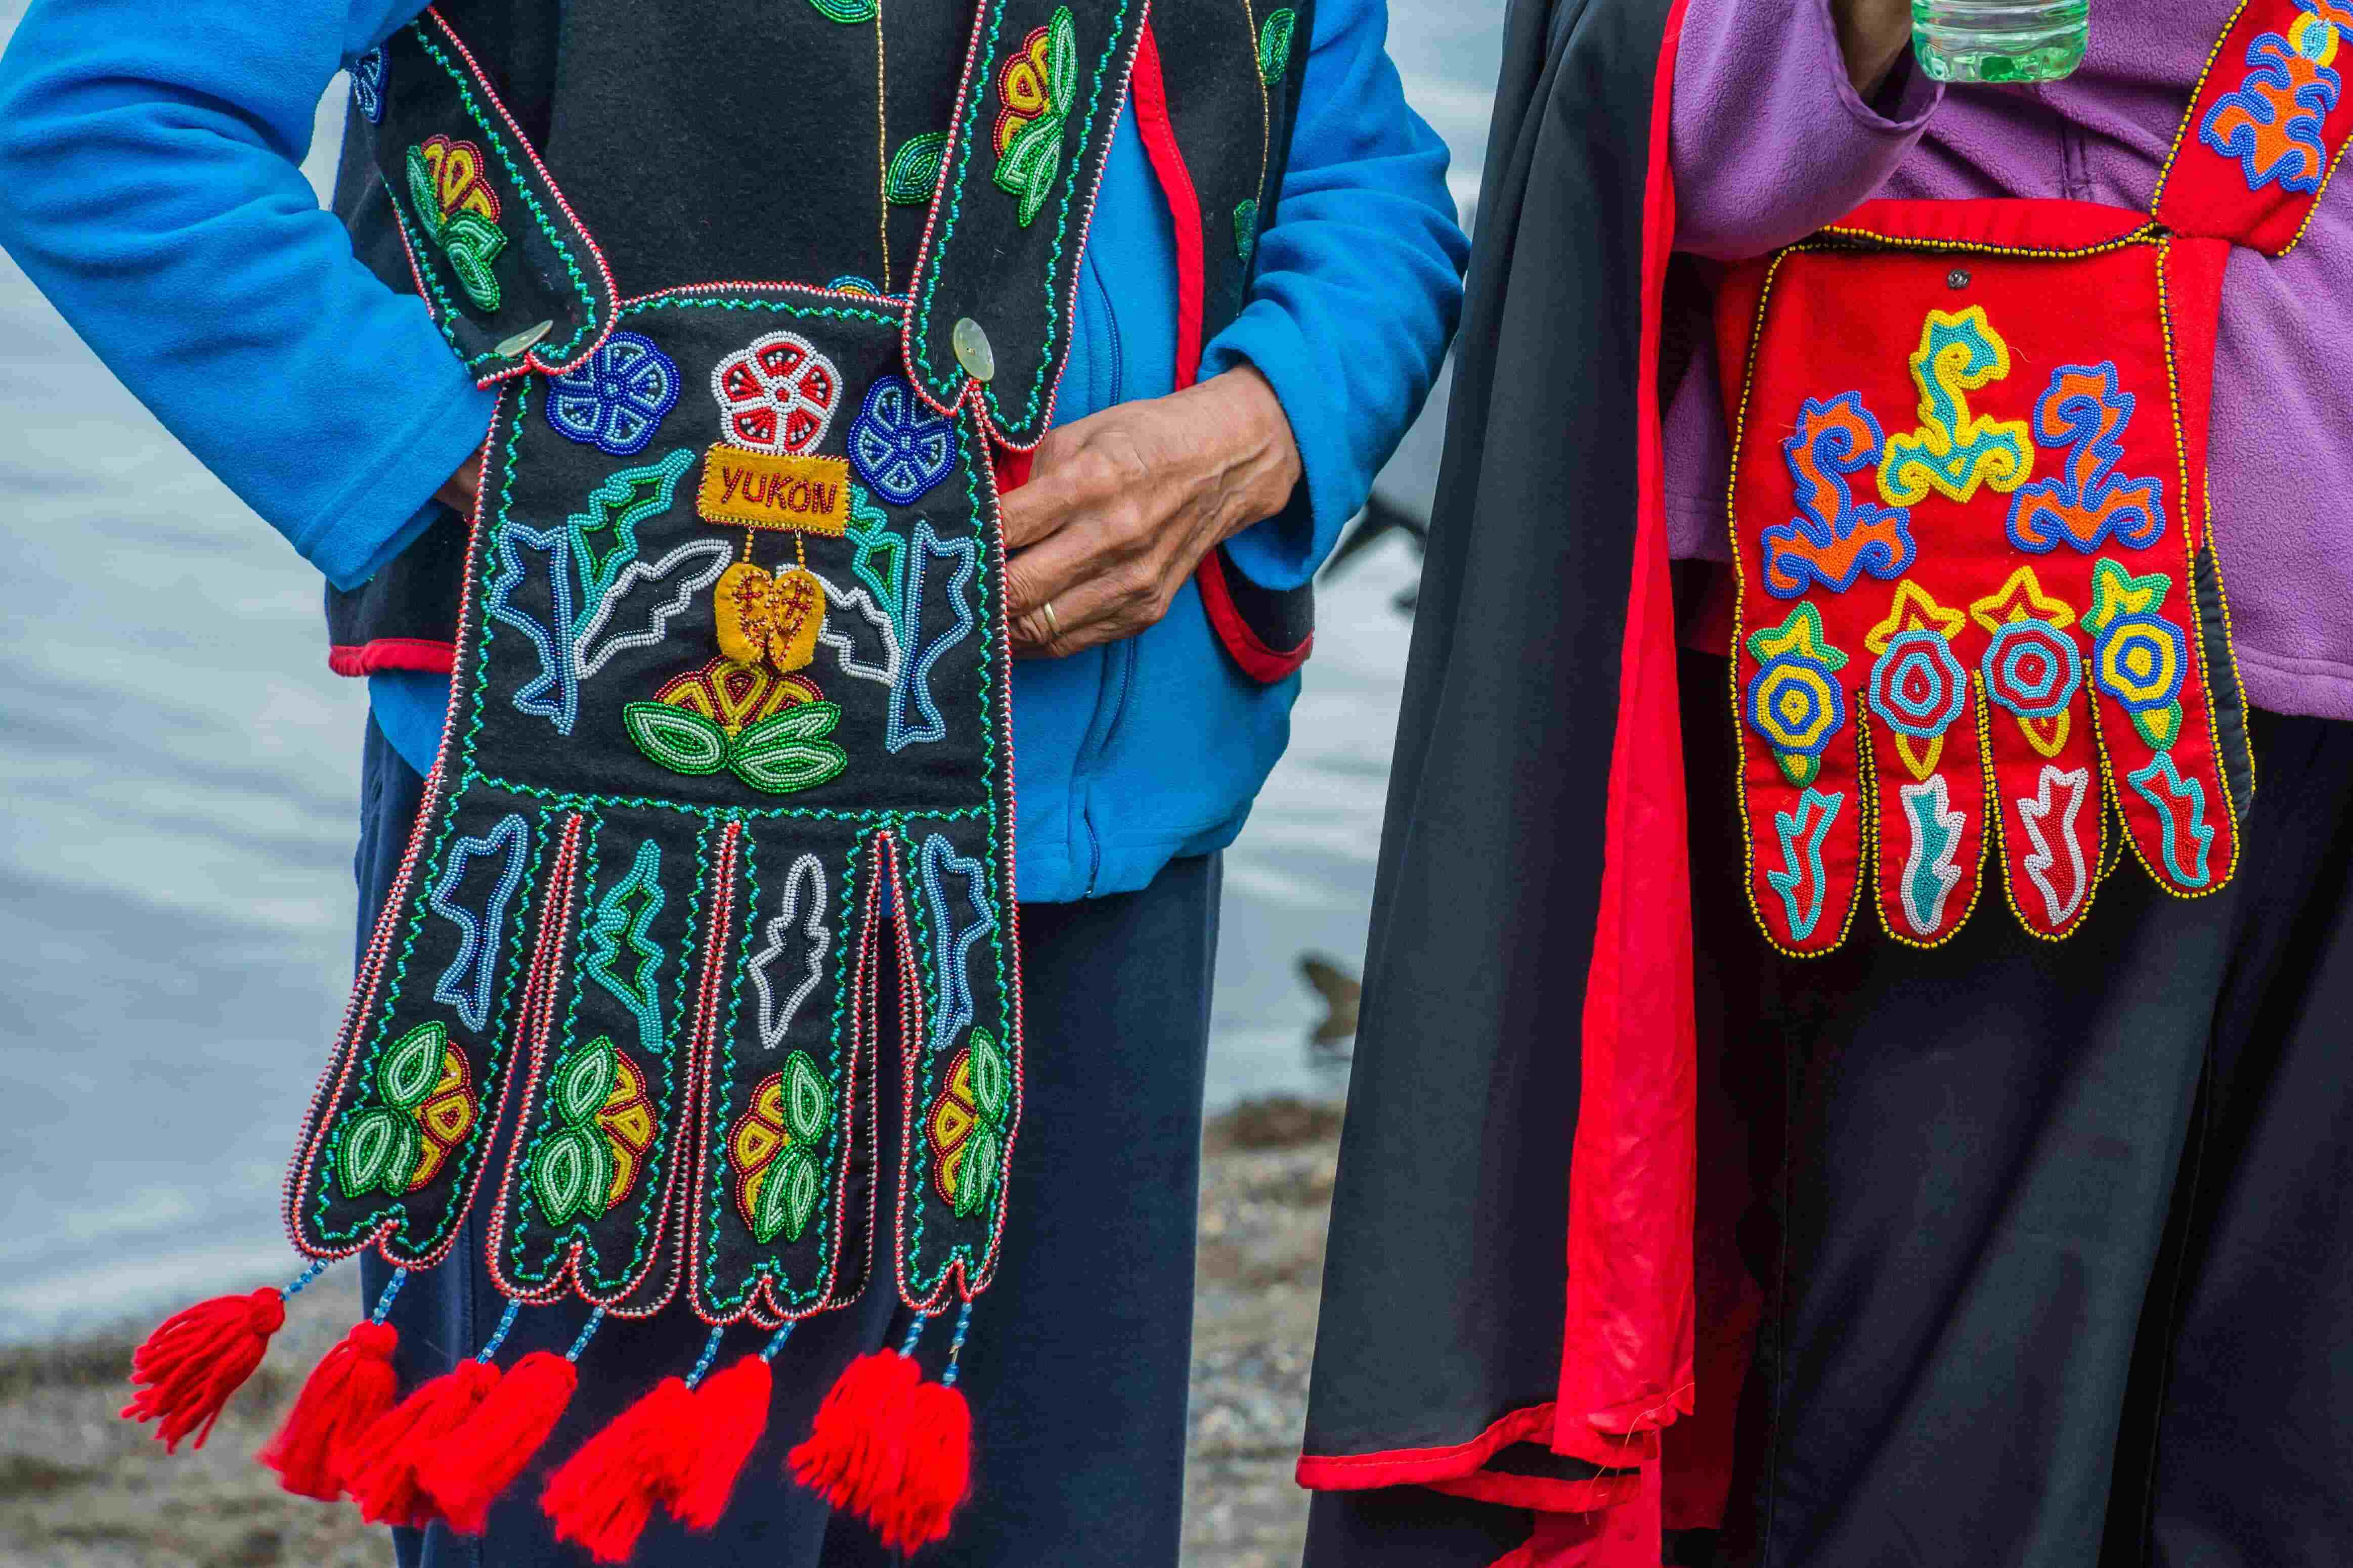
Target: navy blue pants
(1077,1363)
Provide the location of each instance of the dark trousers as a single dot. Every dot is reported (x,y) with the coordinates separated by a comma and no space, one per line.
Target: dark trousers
(1078,1360)
(2056,1238)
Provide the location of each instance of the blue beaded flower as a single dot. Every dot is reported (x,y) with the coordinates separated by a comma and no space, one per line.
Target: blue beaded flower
(367,85)
(901,447)
(615,399)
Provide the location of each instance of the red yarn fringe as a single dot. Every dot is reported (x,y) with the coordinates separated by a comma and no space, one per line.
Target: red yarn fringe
(349,1391)
(195,1359)
(731,1412)
(854,1454)
(466,1475)
(936,1424)
(601,1498)
(381,1473)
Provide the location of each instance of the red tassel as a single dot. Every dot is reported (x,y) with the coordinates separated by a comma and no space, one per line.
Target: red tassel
(937,1444)
(467,1474)
(196,1358)
(348,1391)
(854,1454)
(731,1412)
(601,1498)
(381,1469)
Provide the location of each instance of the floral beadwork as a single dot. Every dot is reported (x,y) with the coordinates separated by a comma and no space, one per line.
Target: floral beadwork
(900,446)
(1274,45)
(615,399)
(1835,538)
(1801,883)
(1919,689)
(605,1126)
(367,86)
(455,202)
(908,180)
(778,393)
(1794,699)
(799,920)
(1036,89)
(2039,815)
(1954,451)
(2180,807)
(1246,228)
(772,1148)
(528,557)
(604,535)
(1930,872)
(768,729)
(966,1126)
(2139,655)
(427,1108)
(2272,124)
(2084,413)
(466,983)
(921,654)
(621,953)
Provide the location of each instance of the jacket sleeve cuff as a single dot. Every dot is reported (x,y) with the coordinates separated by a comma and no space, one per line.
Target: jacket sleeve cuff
(388,502)
(1284,551)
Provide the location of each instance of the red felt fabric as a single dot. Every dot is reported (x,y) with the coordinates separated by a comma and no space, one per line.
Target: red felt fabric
(2246,190)
(1628,1325)
(423,654)
(1836,332)
(1176,181)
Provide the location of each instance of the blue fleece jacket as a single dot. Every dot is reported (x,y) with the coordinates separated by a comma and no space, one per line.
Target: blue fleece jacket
(150,185)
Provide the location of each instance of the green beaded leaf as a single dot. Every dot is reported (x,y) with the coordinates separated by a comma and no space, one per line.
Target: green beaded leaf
(1062,61)
(915,169)
(849,13)
(981,1152)
(673,737)
(788,1197)
(473,242)
(788,752)
(1032,160)
(422,194)
(412,1066)
(808,1102)
(991,1077)
(586,1078)
(1246,228)
(380,1149)
(571,1173)
(1274,45)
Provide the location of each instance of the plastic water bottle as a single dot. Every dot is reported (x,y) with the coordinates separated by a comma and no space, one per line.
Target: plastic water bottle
(2001,40)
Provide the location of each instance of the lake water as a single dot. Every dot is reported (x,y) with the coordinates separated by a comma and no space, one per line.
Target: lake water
(181,784)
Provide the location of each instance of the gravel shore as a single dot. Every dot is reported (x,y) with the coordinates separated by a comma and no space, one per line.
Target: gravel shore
(80,1488)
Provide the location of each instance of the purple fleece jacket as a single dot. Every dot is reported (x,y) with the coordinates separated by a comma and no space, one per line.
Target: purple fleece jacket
(1770,143)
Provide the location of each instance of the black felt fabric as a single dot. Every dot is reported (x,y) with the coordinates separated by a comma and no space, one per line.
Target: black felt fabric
(546,272)
(1115,1141)
(978,240)
(1445,1285)
(700,141)
(707,895)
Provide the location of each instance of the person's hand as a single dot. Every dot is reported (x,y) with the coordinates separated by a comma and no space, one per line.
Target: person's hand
(1872,34)
(458,491)
(1122,505)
